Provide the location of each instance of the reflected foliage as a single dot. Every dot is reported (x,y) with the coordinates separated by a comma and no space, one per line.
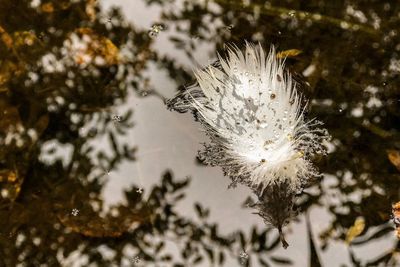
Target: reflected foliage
(351,61)
(64,68)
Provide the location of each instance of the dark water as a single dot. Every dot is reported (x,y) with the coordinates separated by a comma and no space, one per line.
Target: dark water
(65,68)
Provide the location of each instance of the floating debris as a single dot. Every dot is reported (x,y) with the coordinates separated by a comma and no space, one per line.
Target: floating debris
(227,103)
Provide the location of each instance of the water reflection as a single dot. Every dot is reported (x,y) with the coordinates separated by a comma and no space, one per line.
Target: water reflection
(65,66)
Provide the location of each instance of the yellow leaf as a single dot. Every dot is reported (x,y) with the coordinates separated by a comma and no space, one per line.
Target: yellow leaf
(354,231)
(394,157)
(288,53)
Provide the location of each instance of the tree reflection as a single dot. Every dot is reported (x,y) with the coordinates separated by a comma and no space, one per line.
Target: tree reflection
(350,60)
(65,65)
(63,70)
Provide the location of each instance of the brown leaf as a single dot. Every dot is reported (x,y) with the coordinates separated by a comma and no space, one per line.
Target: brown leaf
(92,225)
(47,8)
(394,157)
(6,38)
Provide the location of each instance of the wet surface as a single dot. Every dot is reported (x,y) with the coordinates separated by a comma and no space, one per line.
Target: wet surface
(95,171)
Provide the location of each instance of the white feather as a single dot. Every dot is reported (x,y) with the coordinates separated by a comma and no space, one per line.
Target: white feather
(251,110)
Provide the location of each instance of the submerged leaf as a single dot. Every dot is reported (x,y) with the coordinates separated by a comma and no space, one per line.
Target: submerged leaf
(394,157)
(47,8)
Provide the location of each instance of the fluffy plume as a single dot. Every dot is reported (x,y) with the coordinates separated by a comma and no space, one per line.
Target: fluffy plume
(249,107)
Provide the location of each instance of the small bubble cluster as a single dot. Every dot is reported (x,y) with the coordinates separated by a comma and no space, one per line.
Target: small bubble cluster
(136,259)
(117,118)
(155,30)
(75,212)
(243,257)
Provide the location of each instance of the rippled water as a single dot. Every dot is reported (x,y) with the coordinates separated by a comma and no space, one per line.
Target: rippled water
(95,171)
